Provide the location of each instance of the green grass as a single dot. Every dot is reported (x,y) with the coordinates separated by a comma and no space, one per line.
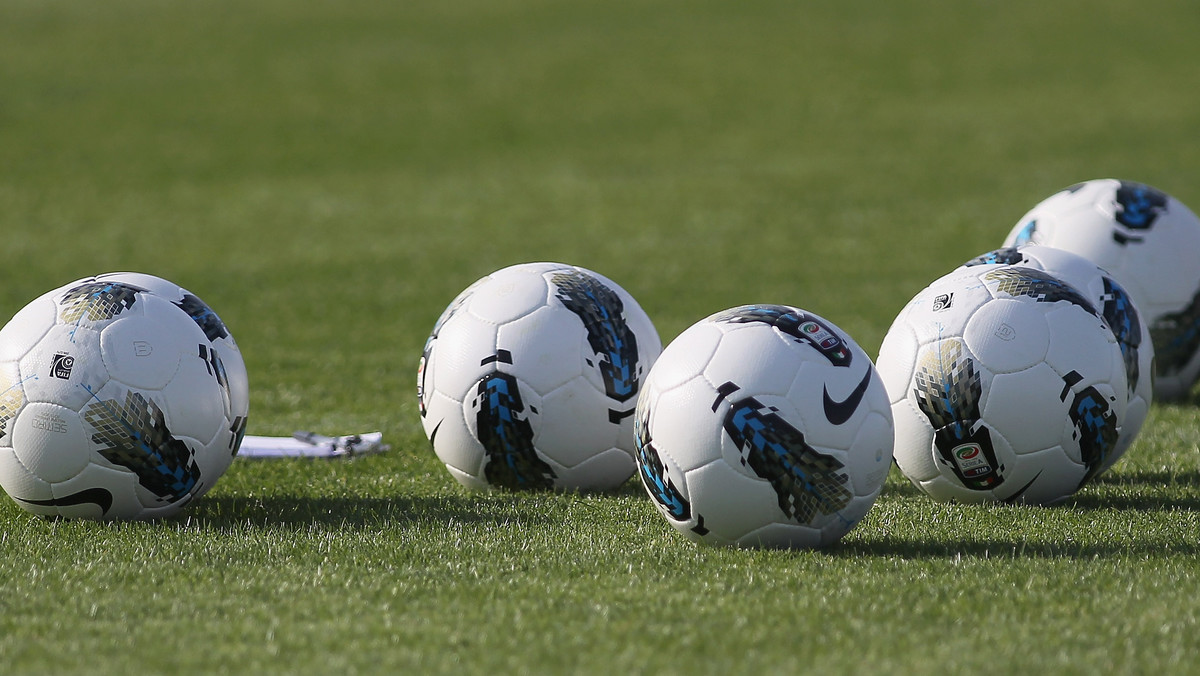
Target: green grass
(329,175)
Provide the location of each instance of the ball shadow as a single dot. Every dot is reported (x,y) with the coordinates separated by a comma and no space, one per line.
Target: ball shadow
(359,512)
(1144,492)
(1191,399)
(1134,492)
(892,547)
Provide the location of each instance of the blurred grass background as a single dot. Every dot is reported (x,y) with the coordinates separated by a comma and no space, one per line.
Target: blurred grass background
(328,175)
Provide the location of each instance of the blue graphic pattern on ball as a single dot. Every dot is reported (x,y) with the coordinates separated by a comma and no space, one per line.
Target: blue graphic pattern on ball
(134,435)
(805,328)
(1176,337)
(1122,318)
(512,460)
(808,483)
(204,316)
(1006,256)
(1097,427)
(949,390)
(1025,234)
(608,335)
(654,474)
(1040,286)
(1139,205)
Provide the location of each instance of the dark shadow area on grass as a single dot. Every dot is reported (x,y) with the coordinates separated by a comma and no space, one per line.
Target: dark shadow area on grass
(630,489)
(1145,488)
(357,512)
(1133,491)
(1000,549)
(1157,479)
(1146,492)
(1192,398)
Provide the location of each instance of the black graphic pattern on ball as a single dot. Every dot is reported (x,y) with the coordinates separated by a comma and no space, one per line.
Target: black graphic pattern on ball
(948,389)
(12,398)
(238,433)
(1096,427)
(97,301)
(807,483)
(216,367)
(204,317)
(1138,206)
(1042,287)
(1176,337)
(427,351)
(134,435)
(608,335)
(947,386)
(1006,256)
(654,474)
(1122,317)
(507,438)
(804,327)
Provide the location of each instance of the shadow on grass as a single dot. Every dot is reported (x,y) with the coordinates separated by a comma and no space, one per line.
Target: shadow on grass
(1143,478)
(1126,497)
(1192,398)
(1140,490)
(630,489)
(1146,491)
(1006,549)
(361,512)
(1113,499)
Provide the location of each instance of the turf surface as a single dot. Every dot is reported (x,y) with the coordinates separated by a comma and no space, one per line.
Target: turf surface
(329,175)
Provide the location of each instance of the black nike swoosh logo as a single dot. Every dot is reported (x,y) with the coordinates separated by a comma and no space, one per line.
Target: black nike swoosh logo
(1012,499)
(433,434)
(838,412)
(95,496)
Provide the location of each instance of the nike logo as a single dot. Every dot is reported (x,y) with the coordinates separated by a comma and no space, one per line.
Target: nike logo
(838,412)
(95,496)
(1012,499)
(433,434)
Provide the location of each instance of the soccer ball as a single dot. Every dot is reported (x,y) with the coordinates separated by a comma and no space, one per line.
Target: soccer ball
(115,404)
(1006,385)
(764,425)
(530,378)
(1148,241)
(1118,310)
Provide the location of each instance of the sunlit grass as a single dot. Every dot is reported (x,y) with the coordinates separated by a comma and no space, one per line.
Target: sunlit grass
(329,175)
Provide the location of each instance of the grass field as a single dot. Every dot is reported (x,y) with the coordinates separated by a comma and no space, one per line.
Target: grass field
(329,175)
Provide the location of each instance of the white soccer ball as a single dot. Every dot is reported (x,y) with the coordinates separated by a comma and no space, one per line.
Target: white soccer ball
(1118,310)
(764,425)
(1006,385)
(114,404)
(1150,243)
(530,378)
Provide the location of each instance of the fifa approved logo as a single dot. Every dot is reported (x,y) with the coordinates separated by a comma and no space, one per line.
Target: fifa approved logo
(61,365)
